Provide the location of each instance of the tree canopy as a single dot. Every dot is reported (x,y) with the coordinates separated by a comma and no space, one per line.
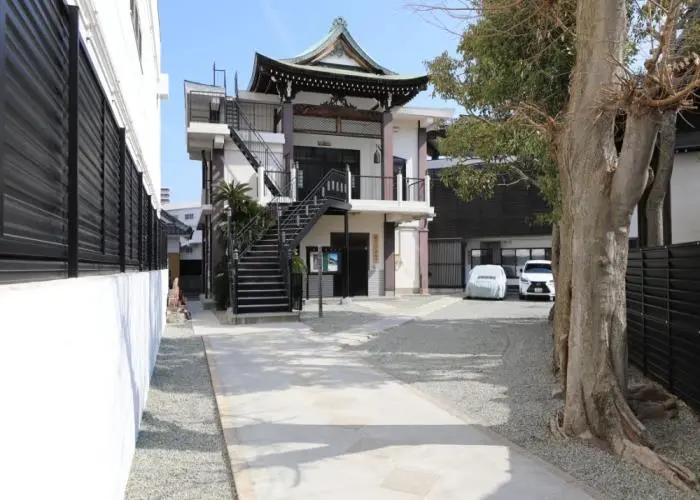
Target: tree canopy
(511,74)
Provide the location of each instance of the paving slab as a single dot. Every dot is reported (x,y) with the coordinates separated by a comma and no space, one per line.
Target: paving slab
(306,419)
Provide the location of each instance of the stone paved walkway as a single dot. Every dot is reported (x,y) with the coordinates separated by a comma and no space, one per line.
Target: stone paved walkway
(305,419)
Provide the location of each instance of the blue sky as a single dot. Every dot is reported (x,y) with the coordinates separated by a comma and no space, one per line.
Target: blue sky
(229,32)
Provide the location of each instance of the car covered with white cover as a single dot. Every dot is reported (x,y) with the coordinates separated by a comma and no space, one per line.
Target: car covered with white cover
(486,281)
(536,280)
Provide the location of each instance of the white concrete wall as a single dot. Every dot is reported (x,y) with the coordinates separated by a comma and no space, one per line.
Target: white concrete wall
(194,254)
(76,361)
(137,82)
(236,166)
(406,144)
(685,198)
(173,244)
(320,235)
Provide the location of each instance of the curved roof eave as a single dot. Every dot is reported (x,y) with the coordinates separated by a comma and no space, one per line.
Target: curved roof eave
(339,29)
(322,70)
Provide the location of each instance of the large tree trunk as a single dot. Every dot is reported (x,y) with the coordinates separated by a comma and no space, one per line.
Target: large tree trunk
(599,193)
(657,194)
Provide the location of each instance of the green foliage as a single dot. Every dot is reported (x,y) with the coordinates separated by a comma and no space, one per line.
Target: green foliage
(513,54)
(243,207)
(298,265)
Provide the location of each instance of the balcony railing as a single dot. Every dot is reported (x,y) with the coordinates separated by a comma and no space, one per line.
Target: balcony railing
(398,188)
(260,116)
(206,107)
(414,189)
(371,187)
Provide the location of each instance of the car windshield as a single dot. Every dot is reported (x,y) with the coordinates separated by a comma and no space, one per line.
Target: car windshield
(485,277)
(538,268)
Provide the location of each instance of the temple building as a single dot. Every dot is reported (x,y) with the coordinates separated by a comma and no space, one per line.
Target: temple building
(329,141)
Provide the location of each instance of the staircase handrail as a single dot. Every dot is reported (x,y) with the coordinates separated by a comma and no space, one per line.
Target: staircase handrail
(314,192)
(241,115)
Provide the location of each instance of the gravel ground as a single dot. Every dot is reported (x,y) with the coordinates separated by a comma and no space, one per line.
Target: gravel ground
(491,360)
(180,452)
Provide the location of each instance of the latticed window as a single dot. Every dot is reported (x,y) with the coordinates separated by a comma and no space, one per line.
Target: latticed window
(314,123)
(361,128)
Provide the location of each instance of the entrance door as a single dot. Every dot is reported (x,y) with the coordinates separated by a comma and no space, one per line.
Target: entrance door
(359,264)
(315,163)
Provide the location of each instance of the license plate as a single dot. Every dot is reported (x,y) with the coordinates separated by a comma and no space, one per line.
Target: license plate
(538,290)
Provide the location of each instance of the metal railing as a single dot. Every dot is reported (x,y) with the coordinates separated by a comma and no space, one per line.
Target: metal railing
(333,186)
(243,127)
(206,107)
(371,187)
(278,178)
(259,116)
(414,189)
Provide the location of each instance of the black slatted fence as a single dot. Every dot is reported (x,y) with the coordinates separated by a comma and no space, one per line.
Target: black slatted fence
(446,263)
(663,317)
(72,201)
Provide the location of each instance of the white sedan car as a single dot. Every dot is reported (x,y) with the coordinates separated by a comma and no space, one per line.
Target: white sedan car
(486,282)
(536,280)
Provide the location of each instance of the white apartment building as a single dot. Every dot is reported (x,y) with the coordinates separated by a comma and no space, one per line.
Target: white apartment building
(83,280)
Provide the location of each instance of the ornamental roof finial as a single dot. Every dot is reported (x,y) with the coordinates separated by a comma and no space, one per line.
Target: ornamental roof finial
(339,22)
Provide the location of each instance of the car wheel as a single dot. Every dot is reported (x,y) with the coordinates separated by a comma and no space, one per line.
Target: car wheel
(521,296)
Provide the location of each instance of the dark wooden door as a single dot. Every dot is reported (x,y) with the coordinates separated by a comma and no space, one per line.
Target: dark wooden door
(314,163)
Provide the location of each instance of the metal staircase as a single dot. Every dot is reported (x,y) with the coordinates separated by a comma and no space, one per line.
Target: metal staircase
(260,253)
(255,150)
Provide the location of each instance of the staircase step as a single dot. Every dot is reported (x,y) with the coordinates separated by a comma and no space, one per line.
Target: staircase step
(244,301)
(274,291)
(256,271)
(257,276)
(260,308)
(248,286)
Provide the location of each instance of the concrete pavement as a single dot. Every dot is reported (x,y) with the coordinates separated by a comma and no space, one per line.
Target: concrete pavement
(305,419)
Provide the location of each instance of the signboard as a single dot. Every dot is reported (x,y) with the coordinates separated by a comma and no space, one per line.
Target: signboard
(331,262)
(324,260)
(315,261)
(375,248)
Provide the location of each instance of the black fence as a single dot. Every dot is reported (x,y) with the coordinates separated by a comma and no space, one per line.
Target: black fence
(663,317)
(446,263)
(72,201)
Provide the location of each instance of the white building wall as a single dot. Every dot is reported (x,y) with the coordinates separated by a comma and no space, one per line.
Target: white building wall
(685,201)
(320,235)
(173,244)
(236,166)
(135,84)
(77,377)
(194,252)
(406,144)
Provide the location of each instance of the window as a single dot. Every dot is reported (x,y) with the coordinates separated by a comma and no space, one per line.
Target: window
(480,257)
(538,268)
(509,264)
(136,24)
(189,216)
(513,259)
